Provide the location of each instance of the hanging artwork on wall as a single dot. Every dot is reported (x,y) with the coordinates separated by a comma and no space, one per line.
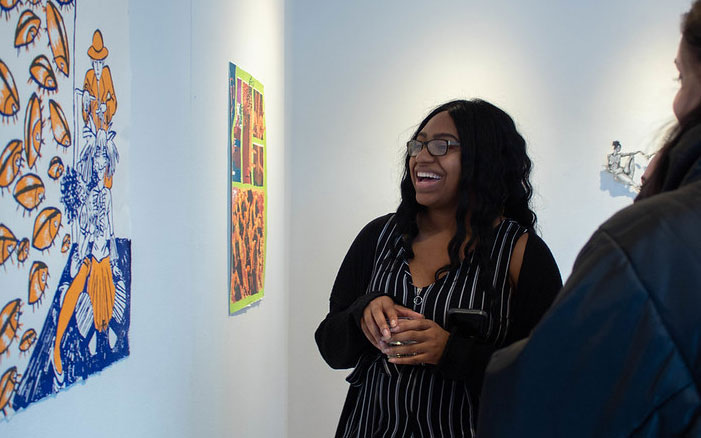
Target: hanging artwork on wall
(65,251)
(248,176)
(626,168)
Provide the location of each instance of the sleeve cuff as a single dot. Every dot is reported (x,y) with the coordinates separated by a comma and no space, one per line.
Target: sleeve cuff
(465,359)
(359,305)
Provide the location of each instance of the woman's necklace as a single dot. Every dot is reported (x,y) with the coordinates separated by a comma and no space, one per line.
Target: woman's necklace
(418,299)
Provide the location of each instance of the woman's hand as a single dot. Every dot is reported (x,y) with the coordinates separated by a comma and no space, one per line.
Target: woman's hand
(422,342)
(380,316)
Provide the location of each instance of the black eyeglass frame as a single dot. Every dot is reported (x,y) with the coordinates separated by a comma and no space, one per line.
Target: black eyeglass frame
(436,147)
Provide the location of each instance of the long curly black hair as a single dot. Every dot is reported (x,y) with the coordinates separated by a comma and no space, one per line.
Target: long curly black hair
(691,39)
(494,181)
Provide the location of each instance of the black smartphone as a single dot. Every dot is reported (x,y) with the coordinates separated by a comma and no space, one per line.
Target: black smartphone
(470,323)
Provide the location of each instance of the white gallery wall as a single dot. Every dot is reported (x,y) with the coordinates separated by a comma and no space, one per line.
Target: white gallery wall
(193,371)
(361,75)
(239,372)
(345,85)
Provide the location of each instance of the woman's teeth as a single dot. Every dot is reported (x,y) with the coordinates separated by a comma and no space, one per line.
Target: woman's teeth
(427,175)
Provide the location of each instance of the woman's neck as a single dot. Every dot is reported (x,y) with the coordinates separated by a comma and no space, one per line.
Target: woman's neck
(436,221)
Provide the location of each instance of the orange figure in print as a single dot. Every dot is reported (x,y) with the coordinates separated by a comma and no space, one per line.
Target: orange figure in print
(9,324)
(22,251)
(29,192)
(8,243)
(58,38)
(38,282)
(56,169)
(33,125)
(28,29)
(10,163)
(8,385)
(259,118)
(41,72)
(27,340)
(93,266)
(247,131)
(258,172)
(99,100)
(46,227)
(59,124)
(248,243)
(9,98)
(66,244)
(6,6)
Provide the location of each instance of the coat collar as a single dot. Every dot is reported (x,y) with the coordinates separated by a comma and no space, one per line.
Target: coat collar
(684,160)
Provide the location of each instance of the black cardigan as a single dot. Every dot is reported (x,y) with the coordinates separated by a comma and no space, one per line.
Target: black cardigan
(341,341)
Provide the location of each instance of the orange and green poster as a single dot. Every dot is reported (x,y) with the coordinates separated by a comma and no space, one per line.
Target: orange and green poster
(247,137)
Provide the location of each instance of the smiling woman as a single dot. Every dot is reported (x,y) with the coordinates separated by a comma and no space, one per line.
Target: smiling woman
(436,176)
(426,294)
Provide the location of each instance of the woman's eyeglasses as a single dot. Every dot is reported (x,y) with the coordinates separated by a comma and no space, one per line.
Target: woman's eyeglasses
(435,147)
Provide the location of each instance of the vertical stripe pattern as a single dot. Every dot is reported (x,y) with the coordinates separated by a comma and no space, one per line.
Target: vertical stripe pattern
(388,400)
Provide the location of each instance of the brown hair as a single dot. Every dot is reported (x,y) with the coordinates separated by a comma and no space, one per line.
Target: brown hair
(691,28)
(691,39)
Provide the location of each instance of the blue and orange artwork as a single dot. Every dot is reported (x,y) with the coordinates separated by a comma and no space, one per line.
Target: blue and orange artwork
(65,254)
(247,139)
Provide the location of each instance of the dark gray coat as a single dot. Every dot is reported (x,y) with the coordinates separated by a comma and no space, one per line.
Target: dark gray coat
(619,352)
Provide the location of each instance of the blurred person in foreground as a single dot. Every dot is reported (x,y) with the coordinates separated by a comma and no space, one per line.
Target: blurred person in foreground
(619,352)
